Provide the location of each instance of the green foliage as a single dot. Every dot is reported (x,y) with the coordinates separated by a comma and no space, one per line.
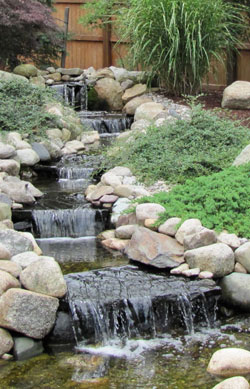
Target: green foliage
(21,108)
(174,39)
(221,200)
(181,150)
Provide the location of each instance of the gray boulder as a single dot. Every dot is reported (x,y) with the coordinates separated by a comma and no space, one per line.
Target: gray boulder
(10,267)
(25,348)
(28,157)
(152,248)
(10,166)
(188,227)
(237,95)
(217,258)
(6,151)
(170,226)
(5,211)
(70,72)
(125,232)
(7,281)
(41,151)
(148,211)
(29,313)
(204,237)
(25,259)
(4,252)
(14,242)
(236,290)
(136,91)
(44,276)
(133,104)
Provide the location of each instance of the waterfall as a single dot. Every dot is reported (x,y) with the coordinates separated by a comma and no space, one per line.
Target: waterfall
(73,93)
(105,123)
(127,303)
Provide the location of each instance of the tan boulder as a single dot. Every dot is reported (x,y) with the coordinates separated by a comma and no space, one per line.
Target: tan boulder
(228,362)
(135,91)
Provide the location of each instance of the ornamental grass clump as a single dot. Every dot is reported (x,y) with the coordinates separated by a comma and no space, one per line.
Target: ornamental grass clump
(220,201)
(175,152)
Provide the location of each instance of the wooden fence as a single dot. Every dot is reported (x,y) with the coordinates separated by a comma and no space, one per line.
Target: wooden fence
(97,47)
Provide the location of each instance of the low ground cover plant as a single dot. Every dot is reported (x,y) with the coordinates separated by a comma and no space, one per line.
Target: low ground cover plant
(221,201)
(22,108)
(181,150)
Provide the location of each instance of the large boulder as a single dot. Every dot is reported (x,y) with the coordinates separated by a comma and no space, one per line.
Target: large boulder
(44,276)
(25,259)
(6,76)
(120,74)
(26,70)
(110,91)
(237,95)
(5,211)
(217,258)
(6,151)
(28,157)
(148,211)
(14,242)
(10,267)
(10,166)
(188,227)
(229,362)
(148,111)
(152,248)
(236,290)
(204,237)
(29,313)
(169,227)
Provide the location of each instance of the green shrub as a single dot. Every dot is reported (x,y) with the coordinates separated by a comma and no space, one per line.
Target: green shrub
(22,108)
(221,201)
(184,149)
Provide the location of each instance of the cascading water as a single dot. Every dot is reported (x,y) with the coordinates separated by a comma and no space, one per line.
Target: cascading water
(105,123)
(73,93)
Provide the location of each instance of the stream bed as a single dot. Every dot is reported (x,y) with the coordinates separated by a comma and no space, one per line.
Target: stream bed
(66,227)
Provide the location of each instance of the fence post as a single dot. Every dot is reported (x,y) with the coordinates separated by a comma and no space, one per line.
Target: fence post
(66,26)
(106,47)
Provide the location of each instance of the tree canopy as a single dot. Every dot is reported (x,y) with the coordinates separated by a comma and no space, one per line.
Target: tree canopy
(28,30)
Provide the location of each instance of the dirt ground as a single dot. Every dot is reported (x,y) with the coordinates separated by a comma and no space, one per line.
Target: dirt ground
(213,100)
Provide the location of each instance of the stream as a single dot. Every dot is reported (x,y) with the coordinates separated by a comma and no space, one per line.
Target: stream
(126,336)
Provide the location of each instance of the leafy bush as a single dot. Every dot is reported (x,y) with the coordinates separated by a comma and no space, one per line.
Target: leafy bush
(22,108)
(184,149)
(221,201)
(174,39)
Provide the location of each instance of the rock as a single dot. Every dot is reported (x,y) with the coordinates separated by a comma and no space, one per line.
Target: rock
(115,244)
(10,267)
(41,151)
(204,237)
(217,258)
(29,313)
(150,223)
(90,137)
(6,76)
(120,74)
(31,238)
(53,148)
(238,268)
(26,70)
(66,135)
(126,219)
(242,255)
(126,84)
(237,95)
(44,276)
(5,199)
(55,76)
(110,179)
(73,147)
(6,224)
(39,81)
(233,383)
(124,191)
(170,226)
(108,234)
(70,72)
(231,240)
(5,211)
(110,91)
(25,348)
(148,111)
(6,341)
(129,180)
(133,104)
(140,125)
(54,133)
(100,192)
(204,275)
(148,211)
(188,227)
(236,290)
(62,332)
(136,91)
(28,157)
(90,189)
(191,272)
(243,157)
(10,166)
(19,191)
(118,208)
(152,248)
(6,151)
(25,259)
(109,199)
(14,242)
(4,252)
(105,72)
(179,269)
(229,362)
(121,171)
(7,281)
(125,232)
(139,191)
